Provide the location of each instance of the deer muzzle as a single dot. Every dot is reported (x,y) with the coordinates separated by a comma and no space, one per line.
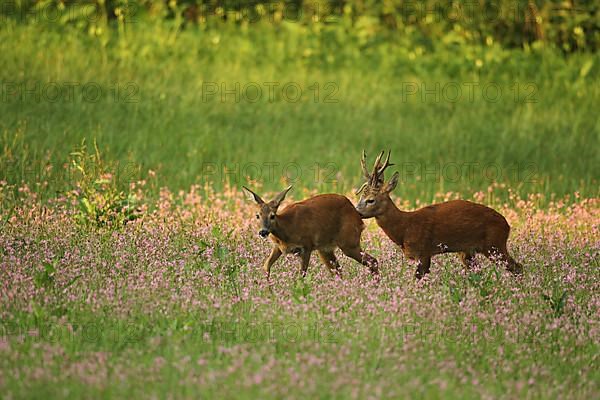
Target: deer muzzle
(263,233)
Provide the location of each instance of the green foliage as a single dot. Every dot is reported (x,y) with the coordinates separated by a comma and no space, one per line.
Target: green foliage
(456,293)
(569,26)
(301,290)
(483,282)
(556,301)
(45,277)
(100,202)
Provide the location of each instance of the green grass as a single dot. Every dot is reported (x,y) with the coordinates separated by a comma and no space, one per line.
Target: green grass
(545,140)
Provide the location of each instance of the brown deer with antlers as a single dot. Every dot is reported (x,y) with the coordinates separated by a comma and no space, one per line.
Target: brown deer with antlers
(454,226)
(322,223)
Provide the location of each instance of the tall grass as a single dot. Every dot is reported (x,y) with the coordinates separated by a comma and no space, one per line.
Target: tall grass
(539,135)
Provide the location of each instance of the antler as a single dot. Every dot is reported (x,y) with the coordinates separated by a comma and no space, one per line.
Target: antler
(363,164)
(385,164)
(374,178)
(379,168)
(376,165)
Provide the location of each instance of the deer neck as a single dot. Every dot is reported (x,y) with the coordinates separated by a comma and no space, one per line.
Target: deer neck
(393,222)
(281,231)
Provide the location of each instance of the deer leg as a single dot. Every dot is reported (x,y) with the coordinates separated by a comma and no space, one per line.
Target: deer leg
(511,265)
(468,259)
(364,258)
(305,258)
(328,258)
(274,256)
(371,262)
(423,267)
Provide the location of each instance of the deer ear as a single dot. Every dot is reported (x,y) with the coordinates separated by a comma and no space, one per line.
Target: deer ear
(253,196)
(391,185)
(279,198)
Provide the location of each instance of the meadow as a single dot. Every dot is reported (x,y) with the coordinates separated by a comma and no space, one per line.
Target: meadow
(233,105)
(130,260)
(175,305)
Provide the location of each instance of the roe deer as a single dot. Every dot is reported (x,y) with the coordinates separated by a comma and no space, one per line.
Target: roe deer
(454,226)
(322,223)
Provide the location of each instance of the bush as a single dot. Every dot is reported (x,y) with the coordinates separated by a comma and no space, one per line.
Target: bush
(100,203)
(570,26)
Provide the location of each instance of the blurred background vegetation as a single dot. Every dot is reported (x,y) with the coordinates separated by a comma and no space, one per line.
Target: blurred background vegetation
(153,60)
(569,25)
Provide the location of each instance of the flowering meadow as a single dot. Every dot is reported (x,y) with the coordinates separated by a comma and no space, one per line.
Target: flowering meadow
(130,259)
(174,304)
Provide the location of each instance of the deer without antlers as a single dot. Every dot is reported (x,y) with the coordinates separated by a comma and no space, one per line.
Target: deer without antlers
(322,223)
(454,226)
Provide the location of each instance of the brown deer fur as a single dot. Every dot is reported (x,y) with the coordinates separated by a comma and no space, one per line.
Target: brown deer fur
(322,223)
(455,226)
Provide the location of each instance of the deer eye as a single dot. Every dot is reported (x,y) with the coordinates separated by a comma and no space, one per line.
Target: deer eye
(272,216)
(370,201)
(257,216)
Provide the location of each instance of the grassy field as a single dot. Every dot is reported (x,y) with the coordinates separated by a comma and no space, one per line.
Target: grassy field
(173,303)
(155,99)
(175,306)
